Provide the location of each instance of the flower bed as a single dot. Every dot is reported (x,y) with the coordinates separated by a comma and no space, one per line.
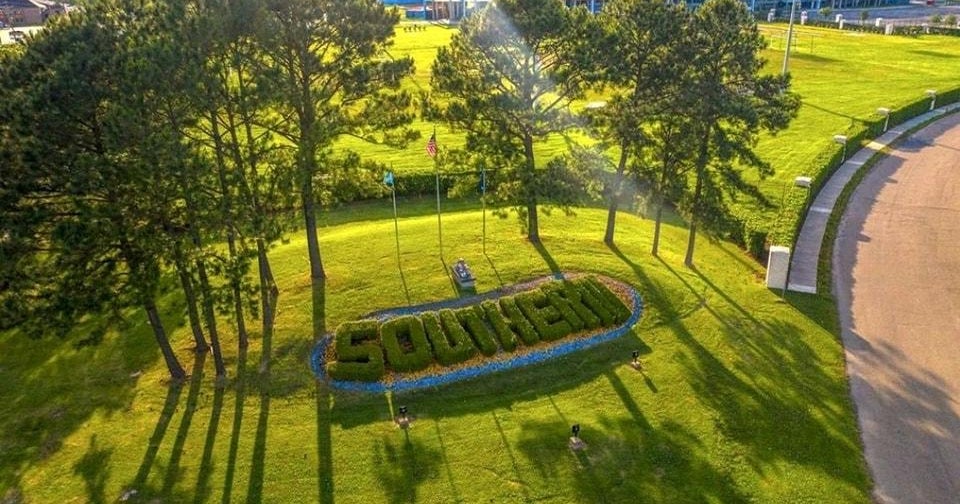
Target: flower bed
(427,347)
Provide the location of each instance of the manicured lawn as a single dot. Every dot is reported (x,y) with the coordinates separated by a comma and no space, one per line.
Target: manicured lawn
(842,76)
(743,398)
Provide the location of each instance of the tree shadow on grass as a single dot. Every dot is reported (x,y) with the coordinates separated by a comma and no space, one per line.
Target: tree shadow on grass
(772,392)
(94,468)
(622,463)
(258,462)
(324,398)
(404,466)
(241,383)
(173,473)
(36,373)
(159,431)
(202,491)
(547,258)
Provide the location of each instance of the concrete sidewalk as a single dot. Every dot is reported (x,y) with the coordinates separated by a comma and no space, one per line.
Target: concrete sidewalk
(806,252)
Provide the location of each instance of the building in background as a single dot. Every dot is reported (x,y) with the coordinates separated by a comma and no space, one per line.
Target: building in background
(21,13)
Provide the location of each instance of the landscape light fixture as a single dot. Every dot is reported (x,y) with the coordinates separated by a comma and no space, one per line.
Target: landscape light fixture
(885,112)
(576,444)
(932,93)
(635,363)
(842,140)
(403,412)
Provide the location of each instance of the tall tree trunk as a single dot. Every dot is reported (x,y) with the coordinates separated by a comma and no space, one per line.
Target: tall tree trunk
(615,196)
(228,215)
(191,297)
(695,212)
(533,220)
(656,228)
(268,290)
(173,365)
(211,317)
(310,221)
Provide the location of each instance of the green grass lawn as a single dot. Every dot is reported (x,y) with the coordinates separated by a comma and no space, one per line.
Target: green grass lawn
(743,397)
(842,77)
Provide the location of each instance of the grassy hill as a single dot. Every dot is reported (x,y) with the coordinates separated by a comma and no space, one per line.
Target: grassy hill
(743,396)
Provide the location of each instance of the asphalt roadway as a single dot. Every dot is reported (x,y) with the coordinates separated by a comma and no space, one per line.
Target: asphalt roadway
(896,278)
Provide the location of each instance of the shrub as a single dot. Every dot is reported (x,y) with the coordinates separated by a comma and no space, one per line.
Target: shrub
(756,242)
(405,343)
(572,295)
(519,323)
(358,353)
(544,317)
(594,301)
(453,345)
(566,311)
(501,327)
(613,303)
(472,318)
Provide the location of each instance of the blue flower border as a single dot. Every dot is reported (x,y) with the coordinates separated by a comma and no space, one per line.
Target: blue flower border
(534,357)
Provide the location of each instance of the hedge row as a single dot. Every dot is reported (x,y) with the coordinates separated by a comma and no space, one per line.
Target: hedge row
(363,351)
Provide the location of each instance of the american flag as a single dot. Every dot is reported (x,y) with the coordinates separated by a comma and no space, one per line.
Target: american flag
(432,145)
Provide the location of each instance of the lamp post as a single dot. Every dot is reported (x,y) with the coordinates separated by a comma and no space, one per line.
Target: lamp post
(576,444)
(932,93)
(842,140)
(402,419)
(885,112)
(786,55)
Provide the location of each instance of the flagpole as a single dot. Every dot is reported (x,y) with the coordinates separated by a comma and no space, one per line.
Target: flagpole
(483,203)
(396,226)
(436,167)
(439,225)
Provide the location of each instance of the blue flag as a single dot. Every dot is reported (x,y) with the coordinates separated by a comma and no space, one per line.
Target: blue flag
(388,178)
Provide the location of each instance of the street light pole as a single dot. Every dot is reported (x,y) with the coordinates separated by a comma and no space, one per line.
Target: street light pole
(786,55)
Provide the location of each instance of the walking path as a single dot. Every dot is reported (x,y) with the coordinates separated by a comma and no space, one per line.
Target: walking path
(896,277)
(806,253)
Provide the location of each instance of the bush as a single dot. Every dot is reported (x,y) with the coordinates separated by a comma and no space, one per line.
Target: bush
(472,318)
(405,343)
(501,327)
(574,298)
(544,317)
(594,301)
(620,311)
(519,323)
(566,311)
(453,344)
(358,353)
(756,243)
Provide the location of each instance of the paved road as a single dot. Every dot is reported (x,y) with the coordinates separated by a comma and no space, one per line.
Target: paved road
(896,269)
